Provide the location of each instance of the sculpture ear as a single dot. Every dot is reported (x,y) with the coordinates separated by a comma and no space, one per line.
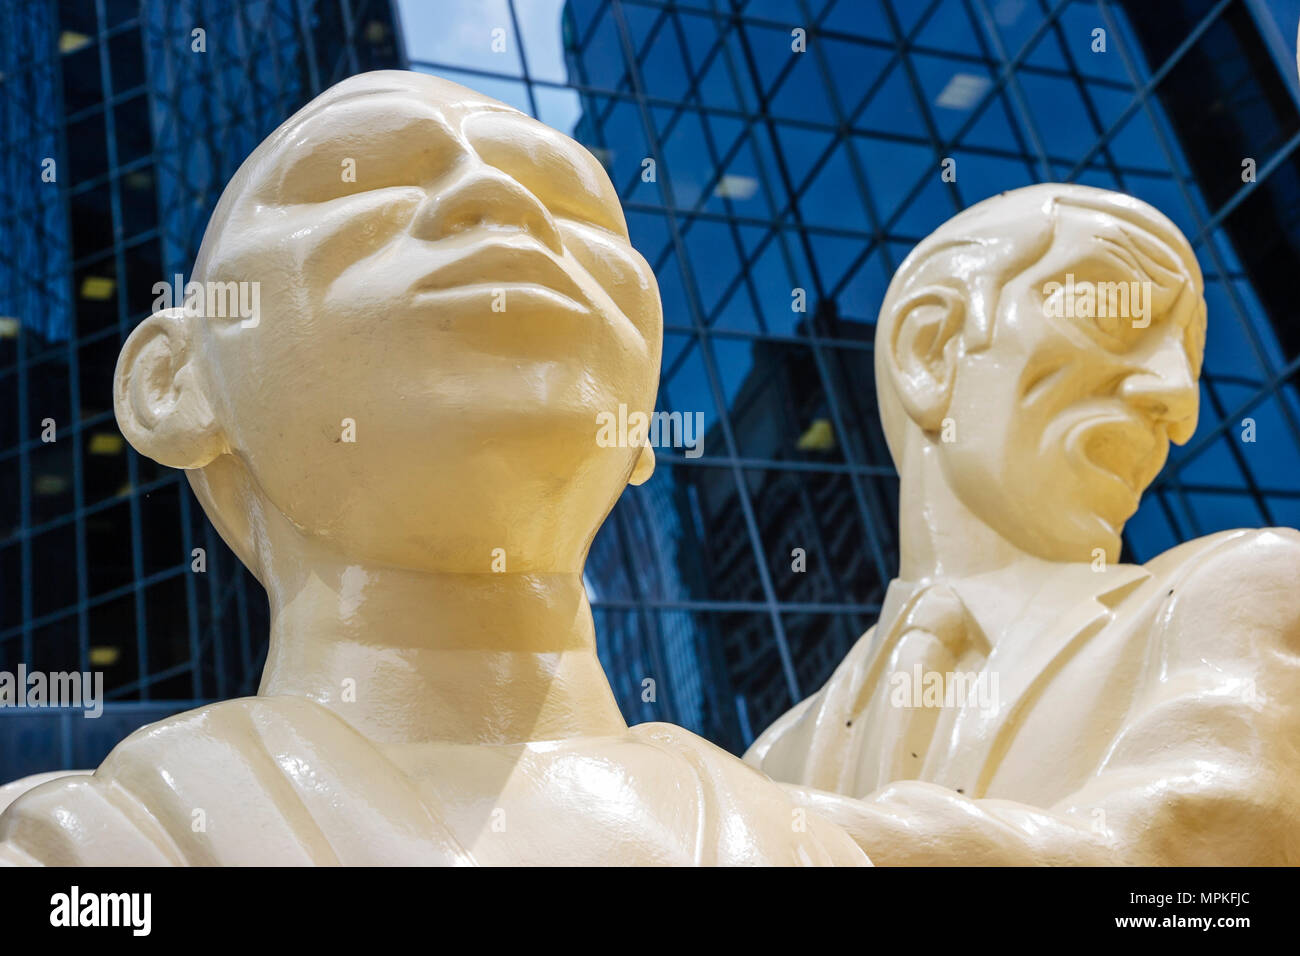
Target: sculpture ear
(923,352)
(158,396)
(645,466)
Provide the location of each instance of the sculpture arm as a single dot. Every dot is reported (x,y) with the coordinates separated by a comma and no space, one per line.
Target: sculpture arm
(11,854)
(15,789)
(915,823)
(81,820)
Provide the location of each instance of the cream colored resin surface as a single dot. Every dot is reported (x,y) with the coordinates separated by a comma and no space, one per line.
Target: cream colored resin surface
(1024,697)
(402,445)
(401,442)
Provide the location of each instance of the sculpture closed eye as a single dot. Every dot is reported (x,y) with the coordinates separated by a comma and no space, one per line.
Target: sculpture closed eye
(1108,305)
(1113,293)
(566,177)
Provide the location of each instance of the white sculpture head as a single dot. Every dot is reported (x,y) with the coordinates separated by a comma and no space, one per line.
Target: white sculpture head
(1049,418)
(448,274)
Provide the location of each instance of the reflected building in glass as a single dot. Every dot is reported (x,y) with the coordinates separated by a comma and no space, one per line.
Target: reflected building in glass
(777,160)
(122,121)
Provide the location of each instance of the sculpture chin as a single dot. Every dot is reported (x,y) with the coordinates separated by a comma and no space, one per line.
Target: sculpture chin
(1065,522)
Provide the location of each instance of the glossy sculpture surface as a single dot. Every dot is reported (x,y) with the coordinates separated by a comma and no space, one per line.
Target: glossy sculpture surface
(402,445)
(1024,697)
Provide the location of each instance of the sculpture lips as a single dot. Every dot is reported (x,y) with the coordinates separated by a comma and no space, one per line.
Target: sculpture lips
(519,259)
(1120,445)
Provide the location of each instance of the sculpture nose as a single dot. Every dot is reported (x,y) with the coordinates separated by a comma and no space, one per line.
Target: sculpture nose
(480,195)
(1165,390)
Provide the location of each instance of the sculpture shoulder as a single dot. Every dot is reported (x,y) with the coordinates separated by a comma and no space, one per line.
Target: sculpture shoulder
(1258,547)
(1232,591)
(284,781)
(746,817)
(264,780)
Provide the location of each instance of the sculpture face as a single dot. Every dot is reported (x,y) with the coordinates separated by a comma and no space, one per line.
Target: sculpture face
(1065,419)
(471,302)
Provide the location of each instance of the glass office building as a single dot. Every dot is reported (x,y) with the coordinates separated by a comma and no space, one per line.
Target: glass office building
(776,159)
(121,122)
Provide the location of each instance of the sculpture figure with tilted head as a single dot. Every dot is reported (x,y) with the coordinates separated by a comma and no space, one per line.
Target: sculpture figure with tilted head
(1025,697)
(402,446)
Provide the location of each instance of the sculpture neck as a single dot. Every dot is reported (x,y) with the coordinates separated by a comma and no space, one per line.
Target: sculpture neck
(940,539)
(415,657)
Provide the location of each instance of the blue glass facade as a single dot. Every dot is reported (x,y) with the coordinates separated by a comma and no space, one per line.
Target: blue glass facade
(143,120)
(776,159)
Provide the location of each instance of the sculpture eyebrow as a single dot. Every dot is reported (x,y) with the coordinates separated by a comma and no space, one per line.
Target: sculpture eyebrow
(573,154)
(581,157)
(288,160)
(1152,249)
(1129,249)
(1121,251)
(573,151)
